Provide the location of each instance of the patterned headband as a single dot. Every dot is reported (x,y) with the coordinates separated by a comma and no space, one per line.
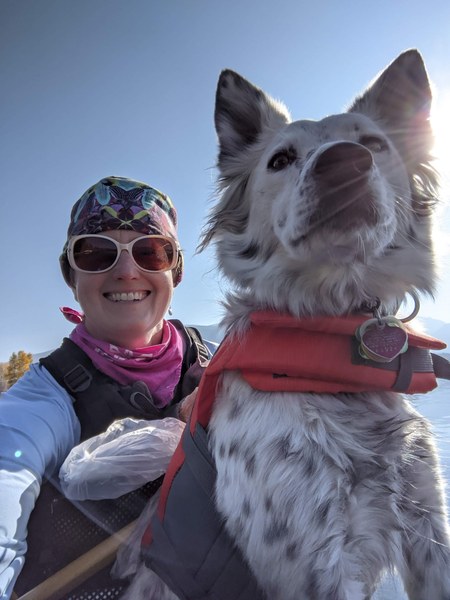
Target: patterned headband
(120,203)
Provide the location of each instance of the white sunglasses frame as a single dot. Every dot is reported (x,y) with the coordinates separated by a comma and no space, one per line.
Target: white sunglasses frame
(120,248)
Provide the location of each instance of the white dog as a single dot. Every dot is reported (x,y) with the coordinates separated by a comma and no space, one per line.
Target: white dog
(322,492)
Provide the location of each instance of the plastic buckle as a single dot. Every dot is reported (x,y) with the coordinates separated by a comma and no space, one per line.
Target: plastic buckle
(78,379)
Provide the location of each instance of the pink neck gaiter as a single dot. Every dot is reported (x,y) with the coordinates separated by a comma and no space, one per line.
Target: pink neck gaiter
(158,366)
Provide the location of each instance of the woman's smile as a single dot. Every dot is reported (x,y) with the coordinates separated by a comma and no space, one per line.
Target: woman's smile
(127,296)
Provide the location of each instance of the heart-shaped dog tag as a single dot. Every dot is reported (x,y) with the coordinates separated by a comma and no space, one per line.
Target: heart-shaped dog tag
(382,340)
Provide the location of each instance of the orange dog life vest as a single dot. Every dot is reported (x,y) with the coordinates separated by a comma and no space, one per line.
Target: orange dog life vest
(319,355)
(186,543)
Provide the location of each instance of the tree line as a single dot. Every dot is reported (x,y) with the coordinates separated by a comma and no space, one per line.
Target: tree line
(18,364)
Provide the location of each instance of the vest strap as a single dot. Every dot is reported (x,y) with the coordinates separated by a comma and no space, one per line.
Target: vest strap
(78,379)
(441,366)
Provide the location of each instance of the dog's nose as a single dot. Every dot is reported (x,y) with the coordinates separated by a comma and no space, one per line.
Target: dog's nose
(343,162)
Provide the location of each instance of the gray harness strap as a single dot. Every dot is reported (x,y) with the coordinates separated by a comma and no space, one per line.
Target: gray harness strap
(198,562)
(441,366)
(415,360)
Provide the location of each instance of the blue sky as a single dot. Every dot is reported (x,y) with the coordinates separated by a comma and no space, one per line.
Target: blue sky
(93,88)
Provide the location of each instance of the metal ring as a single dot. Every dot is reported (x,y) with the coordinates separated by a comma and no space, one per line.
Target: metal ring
(416,309)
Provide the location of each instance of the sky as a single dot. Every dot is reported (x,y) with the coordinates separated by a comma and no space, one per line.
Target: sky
(94,88)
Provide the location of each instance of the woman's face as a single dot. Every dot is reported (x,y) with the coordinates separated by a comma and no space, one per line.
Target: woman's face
(124,306)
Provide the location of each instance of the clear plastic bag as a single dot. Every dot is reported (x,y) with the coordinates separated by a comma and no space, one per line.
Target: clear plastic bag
(126,456)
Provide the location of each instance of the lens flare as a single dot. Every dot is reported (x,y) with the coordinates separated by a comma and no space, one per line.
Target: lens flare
(440,120)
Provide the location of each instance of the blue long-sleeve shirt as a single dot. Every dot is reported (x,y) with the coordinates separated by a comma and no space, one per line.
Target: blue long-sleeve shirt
(38,428)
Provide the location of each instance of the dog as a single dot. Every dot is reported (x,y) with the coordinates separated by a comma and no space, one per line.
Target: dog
(324,492)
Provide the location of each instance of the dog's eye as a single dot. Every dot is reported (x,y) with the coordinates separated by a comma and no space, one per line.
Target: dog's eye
(373,143)
(281,160)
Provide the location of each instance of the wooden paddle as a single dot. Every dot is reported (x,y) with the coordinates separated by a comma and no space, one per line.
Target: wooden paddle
(79,570)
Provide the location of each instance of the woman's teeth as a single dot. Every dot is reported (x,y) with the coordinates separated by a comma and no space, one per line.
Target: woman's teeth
(126,296)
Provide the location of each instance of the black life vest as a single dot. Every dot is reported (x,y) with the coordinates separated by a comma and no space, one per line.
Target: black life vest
(59,530)
(99,400)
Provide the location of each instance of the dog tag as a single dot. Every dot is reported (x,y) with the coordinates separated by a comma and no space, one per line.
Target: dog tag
(382,340)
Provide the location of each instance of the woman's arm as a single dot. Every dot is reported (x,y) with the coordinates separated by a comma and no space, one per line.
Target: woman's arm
(38,428)
(186,405)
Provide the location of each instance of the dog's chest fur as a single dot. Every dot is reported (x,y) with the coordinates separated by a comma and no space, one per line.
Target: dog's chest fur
(311,483)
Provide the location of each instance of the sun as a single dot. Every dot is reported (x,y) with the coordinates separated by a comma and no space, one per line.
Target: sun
(440,120)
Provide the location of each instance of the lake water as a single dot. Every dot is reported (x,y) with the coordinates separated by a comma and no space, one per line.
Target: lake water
(436,407)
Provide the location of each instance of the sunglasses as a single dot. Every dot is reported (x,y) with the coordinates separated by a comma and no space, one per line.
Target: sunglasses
(99,253)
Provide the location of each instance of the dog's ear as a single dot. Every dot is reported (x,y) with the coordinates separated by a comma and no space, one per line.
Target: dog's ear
(400,100)
(242,113)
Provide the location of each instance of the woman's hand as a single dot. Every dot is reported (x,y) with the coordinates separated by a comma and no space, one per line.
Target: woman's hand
(187,405)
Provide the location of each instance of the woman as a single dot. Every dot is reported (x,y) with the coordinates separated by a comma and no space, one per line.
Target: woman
(122,261)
